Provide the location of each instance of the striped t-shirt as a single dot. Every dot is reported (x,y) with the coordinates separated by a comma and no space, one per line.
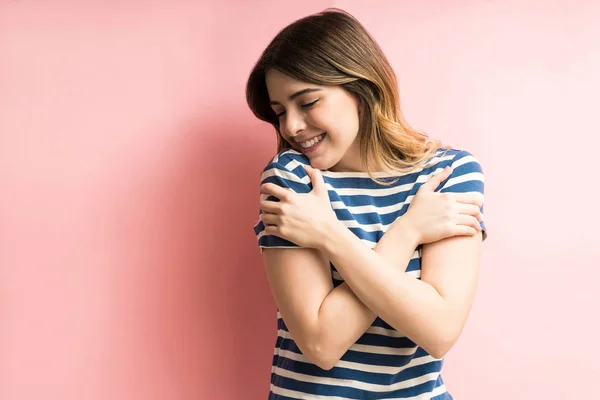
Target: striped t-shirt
(383,363)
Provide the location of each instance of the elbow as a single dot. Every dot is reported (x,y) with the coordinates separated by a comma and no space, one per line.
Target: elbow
(442,344)
(439,352)
(324,361)
(320,355)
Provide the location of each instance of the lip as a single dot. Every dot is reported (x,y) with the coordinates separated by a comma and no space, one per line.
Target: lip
(310,138)
(311,149)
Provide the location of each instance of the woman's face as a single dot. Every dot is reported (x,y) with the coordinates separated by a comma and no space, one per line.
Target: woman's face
(320,121)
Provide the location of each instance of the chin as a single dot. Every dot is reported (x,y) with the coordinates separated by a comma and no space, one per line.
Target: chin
(321,164)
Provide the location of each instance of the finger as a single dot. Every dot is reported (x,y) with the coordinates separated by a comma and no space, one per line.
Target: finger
(272,230)
(468,220)
(470,209)
(275,190)
(474,198)
(269,219)
(269,206)
(316,178)
(464,230)
(435,180)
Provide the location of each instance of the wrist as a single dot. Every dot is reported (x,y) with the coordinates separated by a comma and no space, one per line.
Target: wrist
(333,234)
(407,231)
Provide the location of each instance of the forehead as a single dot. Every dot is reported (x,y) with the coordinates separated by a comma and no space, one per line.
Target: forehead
(280,86)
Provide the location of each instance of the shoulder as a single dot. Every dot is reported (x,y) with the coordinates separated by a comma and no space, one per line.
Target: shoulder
(454,158)
(286,169)
(288,160)
(467,173)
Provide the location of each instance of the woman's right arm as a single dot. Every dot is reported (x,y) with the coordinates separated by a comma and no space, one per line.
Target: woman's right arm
(325,321)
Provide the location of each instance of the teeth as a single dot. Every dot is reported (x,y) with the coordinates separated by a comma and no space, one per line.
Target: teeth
(312,142)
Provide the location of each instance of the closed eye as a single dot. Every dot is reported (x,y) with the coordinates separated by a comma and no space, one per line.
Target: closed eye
(306,106)
(309,105)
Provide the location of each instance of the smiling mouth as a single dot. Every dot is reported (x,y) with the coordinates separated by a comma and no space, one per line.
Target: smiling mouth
(312,145)
(312,142)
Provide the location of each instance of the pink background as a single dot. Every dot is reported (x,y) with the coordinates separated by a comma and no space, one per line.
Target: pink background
(129,172)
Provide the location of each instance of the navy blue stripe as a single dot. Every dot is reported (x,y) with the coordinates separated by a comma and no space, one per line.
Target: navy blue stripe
(271,240)
(386,360)
(350,392)
(374,339)
(356,200)
(297,187)
(377,378)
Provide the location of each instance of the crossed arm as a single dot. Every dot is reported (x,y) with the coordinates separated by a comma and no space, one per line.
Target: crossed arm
(325,321)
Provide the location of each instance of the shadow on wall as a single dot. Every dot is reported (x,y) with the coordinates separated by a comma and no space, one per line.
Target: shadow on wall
(200,323)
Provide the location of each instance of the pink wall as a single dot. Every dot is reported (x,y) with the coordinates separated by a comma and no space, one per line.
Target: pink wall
(517,84)
(127,156)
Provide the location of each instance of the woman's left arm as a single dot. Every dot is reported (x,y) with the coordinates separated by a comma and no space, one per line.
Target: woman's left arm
(432,311)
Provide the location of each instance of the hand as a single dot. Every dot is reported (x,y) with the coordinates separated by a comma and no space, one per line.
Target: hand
(434,216)
(303,219)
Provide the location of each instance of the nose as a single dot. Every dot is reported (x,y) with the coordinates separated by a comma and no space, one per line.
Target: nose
(293,123)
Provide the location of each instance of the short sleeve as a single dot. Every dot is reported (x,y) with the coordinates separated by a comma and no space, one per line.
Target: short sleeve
(285,170)
(466,177)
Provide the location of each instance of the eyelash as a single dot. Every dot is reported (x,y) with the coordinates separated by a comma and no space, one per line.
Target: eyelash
(309,105)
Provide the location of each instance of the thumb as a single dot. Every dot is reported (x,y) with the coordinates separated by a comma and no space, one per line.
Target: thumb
(437,179)
(316,178)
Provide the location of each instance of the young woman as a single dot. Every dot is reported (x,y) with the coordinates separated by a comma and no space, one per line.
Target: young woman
(371,237)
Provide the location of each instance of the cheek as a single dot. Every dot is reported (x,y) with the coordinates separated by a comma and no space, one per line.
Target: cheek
(348,128)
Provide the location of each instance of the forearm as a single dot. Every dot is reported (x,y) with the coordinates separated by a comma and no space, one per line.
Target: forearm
(343,317)
(409,305)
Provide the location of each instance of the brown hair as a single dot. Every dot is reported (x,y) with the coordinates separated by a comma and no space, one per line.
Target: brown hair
(333,48)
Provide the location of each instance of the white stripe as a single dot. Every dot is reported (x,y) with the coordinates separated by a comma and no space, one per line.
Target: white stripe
(384,192)
(293,164)
(463,161)
(372,387)
(364,348)
(472,176)
(414,274)
(370,208)
(438,390)
(378,330)
(298,395)
(290,176)
(336,275)
(392,351)
(378,369)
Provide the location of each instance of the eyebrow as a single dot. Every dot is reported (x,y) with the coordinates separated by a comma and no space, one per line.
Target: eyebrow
(299,93)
